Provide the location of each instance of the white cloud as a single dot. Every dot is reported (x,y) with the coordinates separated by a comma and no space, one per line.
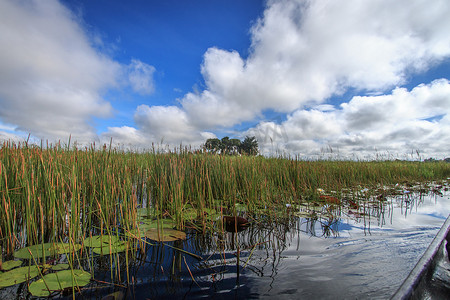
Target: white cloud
(397,123)
(52,79)
(304,52)
(141,77)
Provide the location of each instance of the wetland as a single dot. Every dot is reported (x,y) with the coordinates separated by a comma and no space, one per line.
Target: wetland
(106,224)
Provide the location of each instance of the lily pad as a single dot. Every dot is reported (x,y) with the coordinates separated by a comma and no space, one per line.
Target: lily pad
(11,264)
(110,249)
(60,267)
(166,235)
(100,240)
(58,281)
(145,213)
(154,224)
(212,213)
(105,244)
(18,275)
(65,248)
(43,250)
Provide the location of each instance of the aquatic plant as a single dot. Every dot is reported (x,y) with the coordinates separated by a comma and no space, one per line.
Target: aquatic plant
(54,200)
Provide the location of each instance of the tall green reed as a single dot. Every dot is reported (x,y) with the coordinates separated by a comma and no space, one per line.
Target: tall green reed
(54,193)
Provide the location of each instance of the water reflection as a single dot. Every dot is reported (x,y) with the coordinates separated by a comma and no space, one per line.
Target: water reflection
(362,246)
(339,252)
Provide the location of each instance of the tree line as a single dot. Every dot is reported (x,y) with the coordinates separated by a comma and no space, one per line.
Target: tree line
(248,146)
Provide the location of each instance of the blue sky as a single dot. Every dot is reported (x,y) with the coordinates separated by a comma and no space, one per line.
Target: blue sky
(341,78)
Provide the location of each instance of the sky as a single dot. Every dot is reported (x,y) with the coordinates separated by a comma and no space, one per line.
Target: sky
(352,79)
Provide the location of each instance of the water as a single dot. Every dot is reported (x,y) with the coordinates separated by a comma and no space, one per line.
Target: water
(354,257)
(357,254)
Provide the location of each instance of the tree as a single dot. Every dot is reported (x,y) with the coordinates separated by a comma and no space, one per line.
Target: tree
(225,145)
(213,145)
(249,146)
(235,146)
(232,146)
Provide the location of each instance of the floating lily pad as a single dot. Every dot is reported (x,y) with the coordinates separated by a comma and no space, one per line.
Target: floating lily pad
(212,213)
(44,250)
(105,244)
(165,235)
(111,248)
(18,275)
(145,213)
(60,267)
(153,224)
(59,281)
(64,248)
(100,241)
(11,264)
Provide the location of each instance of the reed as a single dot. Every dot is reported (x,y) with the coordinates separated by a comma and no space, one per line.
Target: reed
(55,194)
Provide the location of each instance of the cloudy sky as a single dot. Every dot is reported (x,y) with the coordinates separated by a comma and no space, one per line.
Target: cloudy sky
(351,78)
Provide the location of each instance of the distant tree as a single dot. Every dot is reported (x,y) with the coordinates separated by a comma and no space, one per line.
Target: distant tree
(235,146)
(232,146)
(225,145)
(249,146)
(213,145)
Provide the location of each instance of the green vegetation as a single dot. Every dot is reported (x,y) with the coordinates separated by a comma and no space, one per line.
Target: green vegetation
(59,281)
(248,146)
(74,202)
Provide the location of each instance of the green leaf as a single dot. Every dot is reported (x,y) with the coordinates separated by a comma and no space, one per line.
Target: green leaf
(18,275)
(111,248)
(46,249)
(145,213)
(189,214)
(63,248)
(151,224)
(105,244)
(60,267)
(165,235)
(34,251)
(100,241)
(58,281)
(11,264)
(161,223)
(241,207)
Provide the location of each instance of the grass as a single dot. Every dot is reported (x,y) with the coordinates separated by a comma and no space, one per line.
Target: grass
(55,194)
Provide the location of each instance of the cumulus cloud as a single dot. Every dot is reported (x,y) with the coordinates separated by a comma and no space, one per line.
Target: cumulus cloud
(304,52)
(52,78)
(392,124)
(141,77)
(161,125)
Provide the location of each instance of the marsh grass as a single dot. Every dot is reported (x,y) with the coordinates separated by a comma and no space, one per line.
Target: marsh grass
(56,194)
